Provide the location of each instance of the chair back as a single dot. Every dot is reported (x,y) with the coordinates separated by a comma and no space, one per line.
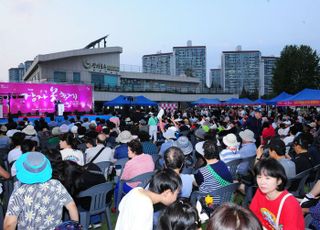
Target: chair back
(119,164)
(296,184)
(233,166)
(143,180)
(98,195)
(104,165)
(224,193)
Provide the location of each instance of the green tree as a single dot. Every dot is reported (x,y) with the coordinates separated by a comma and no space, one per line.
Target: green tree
(188,72)
(296,69)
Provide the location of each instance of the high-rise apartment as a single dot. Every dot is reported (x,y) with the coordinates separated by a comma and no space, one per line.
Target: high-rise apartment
(267,66)
(160,63)
(216,78)
(241,70)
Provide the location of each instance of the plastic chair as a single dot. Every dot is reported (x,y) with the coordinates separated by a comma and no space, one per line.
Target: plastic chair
(315,178)
(296,184)
(98,203)
(143,180)
(233,166)
(224,193)
(104,165)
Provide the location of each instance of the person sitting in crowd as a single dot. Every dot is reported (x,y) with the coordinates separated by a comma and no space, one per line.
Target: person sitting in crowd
(31,134)
(248,149)
(268,132)
(174,159)
(16,152)
(266,203)
(68,149)
(105,155)
(277,151)
(123,138)
(136,208)
(215,174)
(179,215)
(138,163)
(230,152)
(38,203)
(232,216)
(147,145)
(303,159)
(4,139)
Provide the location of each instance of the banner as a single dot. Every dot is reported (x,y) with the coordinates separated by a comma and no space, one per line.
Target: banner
(32,97)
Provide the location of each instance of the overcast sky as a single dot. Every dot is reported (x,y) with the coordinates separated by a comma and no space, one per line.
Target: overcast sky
(32,27)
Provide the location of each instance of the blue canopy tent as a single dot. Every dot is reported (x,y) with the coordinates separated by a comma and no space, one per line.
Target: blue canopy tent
(239,101)
(306,97)
(128,100)
(260,101)
(206,102)
(280,97)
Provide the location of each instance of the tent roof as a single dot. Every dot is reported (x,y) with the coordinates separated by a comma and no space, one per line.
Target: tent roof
(281,96)
(128,100)
(306,97)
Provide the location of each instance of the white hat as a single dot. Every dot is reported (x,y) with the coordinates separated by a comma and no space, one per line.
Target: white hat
(74,129)
(64,128)
(199,147)
(247,135)
(125,137)
(184,144)
(29,130)
(170,133)
(56,131)
(230,140)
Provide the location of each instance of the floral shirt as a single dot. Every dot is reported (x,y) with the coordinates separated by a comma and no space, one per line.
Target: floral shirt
(39,206)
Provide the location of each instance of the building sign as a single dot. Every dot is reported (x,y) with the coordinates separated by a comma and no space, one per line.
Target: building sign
(99,67)
(32,97)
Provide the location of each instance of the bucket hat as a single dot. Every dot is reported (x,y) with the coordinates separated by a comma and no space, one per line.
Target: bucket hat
(230,140)
(184,144)
(33,167)
(199,147)
(29,130)
(170,133)
(64,128)
(247,135)
(125,137)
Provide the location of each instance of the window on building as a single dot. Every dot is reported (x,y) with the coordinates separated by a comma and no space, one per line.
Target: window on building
(97,79)
(59,76)
(76,77)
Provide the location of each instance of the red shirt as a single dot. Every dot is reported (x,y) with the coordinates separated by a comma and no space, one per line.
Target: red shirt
(291,217)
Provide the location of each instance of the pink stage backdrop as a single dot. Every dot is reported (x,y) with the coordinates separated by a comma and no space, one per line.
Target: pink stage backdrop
(30,97)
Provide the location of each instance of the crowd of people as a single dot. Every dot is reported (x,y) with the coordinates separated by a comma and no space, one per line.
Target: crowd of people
(52,162)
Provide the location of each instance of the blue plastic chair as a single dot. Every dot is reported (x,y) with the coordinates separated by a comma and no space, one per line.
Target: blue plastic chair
(98,203)
(143,180)
(233,166)
(104,165)
(224,193)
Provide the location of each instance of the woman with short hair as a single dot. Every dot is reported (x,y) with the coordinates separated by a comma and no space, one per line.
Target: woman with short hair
(273,205)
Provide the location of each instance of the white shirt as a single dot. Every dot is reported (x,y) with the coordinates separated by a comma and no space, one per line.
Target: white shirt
(14,154)
(105,155)
(72,155)
(136,211)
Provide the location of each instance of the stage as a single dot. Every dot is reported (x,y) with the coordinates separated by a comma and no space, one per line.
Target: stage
(58,119)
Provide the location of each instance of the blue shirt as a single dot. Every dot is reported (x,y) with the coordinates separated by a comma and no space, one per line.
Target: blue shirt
(121,151)
(247,150)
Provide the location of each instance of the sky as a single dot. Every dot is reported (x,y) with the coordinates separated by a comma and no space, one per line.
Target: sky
(32,27)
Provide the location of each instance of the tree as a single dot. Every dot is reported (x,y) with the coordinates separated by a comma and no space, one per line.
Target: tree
(296,69)
(188,72)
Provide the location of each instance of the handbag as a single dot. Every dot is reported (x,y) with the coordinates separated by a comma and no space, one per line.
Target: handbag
(69,225)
